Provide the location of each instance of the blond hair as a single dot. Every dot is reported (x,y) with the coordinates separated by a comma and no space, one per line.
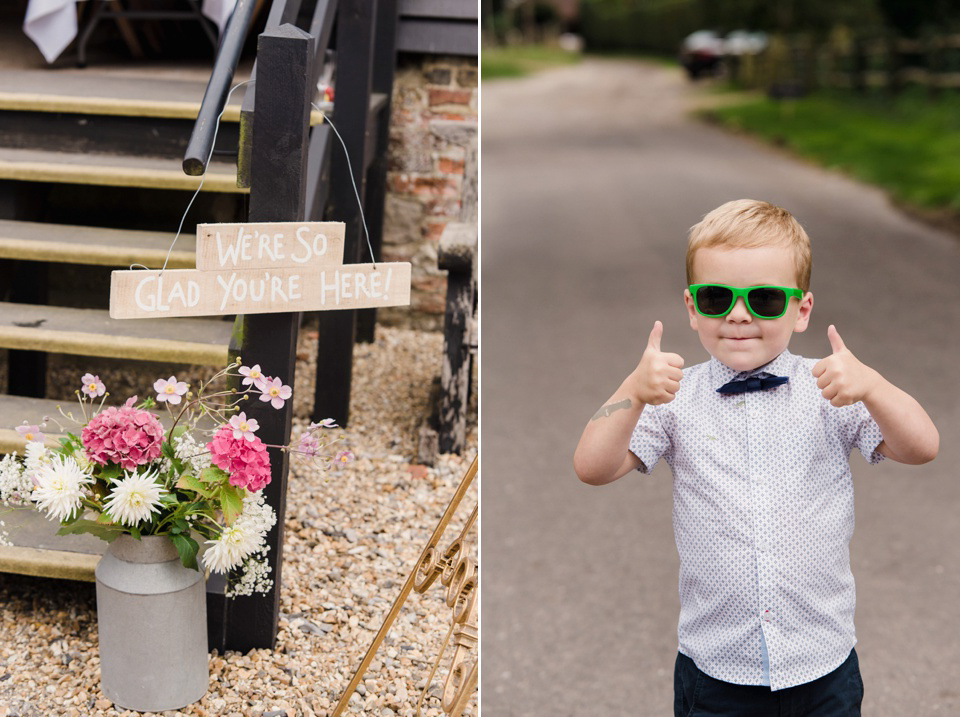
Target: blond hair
(749,223)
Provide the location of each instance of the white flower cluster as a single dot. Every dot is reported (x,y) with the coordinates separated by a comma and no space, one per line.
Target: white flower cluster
(192,453)
(244,538)
(254,576)
(15,484)
(56,483)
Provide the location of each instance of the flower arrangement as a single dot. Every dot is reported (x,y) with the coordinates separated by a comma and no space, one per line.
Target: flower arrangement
(122,472)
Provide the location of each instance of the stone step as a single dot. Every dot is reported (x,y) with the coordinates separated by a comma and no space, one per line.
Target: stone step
(14,410)
(89,91)
(31,165)
(69,111)
(91,332)
(37,550)
(101,92)
(68,244)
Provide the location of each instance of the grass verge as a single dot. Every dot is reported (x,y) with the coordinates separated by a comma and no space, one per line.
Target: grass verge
(908,145)
(498,62)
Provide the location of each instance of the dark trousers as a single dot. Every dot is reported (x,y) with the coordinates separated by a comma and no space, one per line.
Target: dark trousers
(837,694)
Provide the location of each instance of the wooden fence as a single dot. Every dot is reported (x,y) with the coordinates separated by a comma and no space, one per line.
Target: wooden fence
(794,65)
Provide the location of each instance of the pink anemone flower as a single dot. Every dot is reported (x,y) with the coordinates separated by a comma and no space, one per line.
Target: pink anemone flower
(92,385)
(170,390)
(274,391)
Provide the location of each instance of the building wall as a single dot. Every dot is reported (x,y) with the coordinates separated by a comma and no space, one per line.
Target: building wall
(431,95)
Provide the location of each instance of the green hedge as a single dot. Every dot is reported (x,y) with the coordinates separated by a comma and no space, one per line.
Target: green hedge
(658,26)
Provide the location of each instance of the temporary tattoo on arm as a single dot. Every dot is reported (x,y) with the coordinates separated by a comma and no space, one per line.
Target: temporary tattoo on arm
(610,408)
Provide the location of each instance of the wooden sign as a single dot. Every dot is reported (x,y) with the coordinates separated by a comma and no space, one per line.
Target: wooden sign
(260,269)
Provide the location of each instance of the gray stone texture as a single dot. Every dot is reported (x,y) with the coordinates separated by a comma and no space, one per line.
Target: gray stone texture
(431,166)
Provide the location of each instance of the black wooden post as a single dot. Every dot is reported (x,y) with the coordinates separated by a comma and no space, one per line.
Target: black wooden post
(356,22)
(384,68)
(278,173)
(27,370)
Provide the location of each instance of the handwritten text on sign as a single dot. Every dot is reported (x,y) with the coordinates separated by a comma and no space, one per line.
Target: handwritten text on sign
(189,292)
(268,245)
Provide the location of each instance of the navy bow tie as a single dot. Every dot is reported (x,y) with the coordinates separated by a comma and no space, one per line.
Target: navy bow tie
(754,383)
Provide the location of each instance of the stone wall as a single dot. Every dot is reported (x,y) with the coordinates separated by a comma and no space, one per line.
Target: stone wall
(433,120)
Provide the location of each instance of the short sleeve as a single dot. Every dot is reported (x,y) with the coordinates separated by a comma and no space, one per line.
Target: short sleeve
(860,430)
(649,441)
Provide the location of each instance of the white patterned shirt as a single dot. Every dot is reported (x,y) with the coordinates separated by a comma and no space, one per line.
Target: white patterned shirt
(762,516)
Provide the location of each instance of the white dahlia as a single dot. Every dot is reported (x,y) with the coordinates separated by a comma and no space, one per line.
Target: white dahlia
(59,489)
(235,543)
(36,457)
(134,498)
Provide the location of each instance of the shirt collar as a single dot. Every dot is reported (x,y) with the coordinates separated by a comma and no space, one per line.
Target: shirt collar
(780,366)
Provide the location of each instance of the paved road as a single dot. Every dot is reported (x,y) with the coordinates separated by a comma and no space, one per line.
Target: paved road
(590,178)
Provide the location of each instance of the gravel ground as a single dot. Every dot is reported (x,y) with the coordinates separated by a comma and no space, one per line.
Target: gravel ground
(352,536)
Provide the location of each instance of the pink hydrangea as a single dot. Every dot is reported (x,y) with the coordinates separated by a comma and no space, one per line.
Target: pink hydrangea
(247,461)
(127,436)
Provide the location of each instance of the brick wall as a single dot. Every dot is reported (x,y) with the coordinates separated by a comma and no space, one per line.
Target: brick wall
(431,95)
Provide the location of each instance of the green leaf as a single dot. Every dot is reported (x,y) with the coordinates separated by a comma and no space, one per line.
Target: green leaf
(168,451)
(104,532)
(111,472)
(188,481)
(231,499)
(179,526)
(188,548)
(212,474)
(134,531)
(70,442)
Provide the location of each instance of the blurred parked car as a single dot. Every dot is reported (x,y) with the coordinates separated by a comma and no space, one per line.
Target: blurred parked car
(702,54)
(744,42)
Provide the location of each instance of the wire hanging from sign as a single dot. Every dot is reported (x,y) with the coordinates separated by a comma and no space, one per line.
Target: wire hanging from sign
(353,180)
(216,129)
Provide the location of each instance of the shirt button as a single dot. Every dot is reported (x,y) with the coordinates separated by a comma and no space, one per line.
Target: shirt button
(767,616)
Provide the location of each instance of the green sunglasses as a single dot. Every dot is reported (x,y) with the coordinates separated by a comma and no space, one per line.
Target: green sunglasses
(764,302)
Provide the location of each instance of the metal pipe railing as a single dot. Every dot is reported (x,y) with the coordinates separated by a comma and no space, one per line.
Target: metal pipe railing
(202,138)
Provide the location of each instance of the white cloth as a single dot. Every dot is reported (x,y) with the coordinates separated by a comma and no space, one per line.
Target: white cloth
(762,516)
(52,24)
(218,11)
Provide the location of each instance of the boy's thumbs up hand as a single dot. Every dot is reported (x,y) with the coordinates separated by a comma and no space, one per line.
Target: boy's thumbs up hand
(841,377)
(656,379)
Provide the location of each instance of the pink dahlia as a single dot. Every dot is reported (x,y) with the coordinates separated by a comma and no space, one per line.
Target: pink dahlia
(247,461)
(127,436)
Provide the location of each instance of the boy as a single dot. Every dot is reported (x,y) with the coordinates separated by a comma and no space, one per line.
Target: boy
(759,442)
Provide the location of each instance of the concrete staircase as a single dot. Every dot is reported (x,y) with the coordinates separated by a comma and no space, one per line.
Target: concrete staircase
(90,181)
